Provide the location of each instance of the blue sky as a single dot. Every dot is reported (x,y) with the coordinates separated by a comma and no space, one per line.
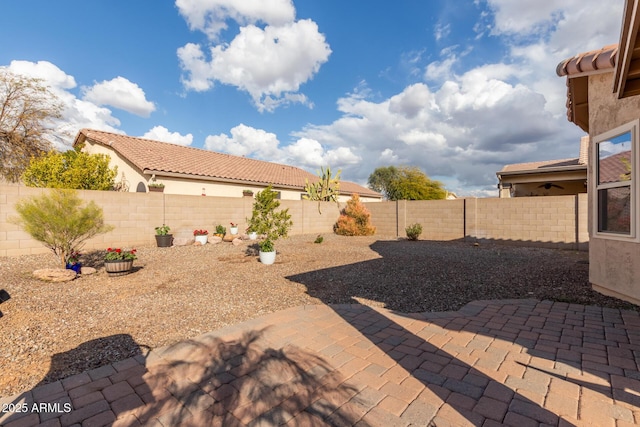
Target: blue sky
(457,88)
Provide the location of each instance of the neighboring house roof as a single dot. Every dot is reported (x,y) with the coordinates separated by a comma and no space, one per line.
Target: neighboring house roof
(623,59)
(615,168)
(165,159)
(543,166)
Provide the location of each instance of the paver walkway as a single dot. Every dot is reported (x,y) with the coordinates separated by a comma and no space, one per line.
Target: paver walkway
(516,362)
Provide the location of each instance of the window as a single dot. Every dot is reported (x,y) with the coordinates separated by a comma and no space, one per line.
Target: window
(615,183)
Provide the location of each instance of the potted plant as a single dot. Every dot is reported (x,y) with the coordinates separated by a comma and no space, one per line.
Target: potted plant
(118,262)
(220,230)
(73,262)
(247,193)
(163,238)
(269,223)
(201,236)
(234,228)
(156,186)
(252,234)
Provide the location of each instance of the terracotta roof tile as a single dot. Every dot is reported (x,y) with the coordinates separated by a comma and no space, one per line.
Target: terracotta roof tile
(615,168)
(596,60)
(156,156)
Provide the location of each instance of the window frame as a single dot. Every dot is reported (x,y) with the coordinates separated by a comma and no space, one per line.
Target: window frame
(633,128)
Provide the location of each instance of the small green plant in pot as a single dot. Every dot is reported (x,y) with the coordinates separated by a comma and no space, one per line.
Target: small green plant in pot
(163,238)
(266,222)
(413,231)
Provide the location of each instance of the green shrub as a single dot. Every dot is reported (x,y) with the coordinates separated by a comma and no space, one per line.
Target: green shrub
(266,221)
(60,222)
(413,231)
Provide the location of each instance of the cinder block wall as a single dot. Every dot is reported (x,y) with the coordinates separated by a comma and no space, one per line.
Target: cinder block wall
(554,221)
(558,221)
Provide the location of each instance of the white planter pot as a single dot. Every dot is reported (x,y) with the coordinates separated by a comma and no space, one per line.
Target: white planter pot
(233,230)
(202,239)
(267,258)
(253,236)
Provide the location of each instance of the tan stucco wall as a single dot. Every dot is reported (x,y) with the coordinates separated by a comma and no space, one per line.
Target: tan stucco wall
(614,266)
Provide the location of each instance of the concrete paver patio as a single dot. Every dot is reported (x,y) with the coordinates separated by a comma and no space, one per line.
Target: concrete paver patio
(515,362)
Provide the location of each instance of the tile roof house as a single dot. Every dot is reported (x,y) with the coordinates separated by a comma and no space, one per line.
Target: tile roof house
(194,171)
(546,178)
(603,99)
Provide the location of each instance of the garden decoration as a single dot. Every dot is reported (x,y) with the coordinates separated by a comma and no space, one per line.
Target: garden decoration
(163,238)
(234,228)
(220,230)
(252,234)
(156,187)
(201,236)
(73,262)
(118,262)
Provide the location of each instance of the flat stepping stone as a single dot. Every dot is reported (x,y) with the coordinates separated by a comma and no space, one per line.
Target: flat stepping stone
(55,274)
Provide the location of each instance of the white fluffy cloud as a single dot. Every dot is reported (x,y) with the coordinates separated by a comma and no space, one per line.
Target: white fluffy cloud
(210,16)
(49,73)
(245,141)
(269,63)
(161,133)
(257,143)
(120,93)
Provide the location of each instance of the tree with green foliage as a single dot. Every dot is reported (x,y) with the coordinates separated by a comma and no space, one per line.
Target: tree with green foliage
(326,189)
(266,221)
(28,113)
(380,179)
(59,220)
(72,169)
(406,183)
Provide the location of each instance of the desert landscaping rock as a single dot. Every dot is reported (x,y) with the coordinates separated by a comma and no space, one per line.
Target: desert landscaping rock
(51,331)
(182,241)
(55,274)
(237,241)
(85,271)
(215,239)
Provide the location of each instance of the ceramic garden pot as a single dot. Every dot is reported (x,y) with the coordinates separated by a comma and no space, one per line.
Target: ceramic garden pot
(267,258)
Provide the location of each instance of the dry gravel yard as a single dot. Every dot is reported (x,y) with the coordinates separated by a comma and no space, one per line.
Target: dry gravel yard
(181,292)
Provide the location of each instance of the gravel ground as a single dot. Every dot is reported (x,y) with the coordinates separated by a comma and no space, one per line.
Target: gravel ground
(50,331)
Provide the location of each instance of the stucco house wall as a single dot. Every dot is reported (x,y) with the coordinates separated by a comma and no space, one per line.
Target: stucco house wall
(614,267)
(138,182)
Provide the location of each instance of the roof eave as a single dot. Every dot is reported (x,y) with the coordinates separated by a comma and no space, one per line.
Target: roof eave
(555,169)
(626,46)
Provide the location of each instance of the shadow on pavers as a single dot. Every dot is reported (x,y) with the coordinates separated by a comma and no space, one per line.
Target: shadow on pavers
(437,366)
(210,380)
